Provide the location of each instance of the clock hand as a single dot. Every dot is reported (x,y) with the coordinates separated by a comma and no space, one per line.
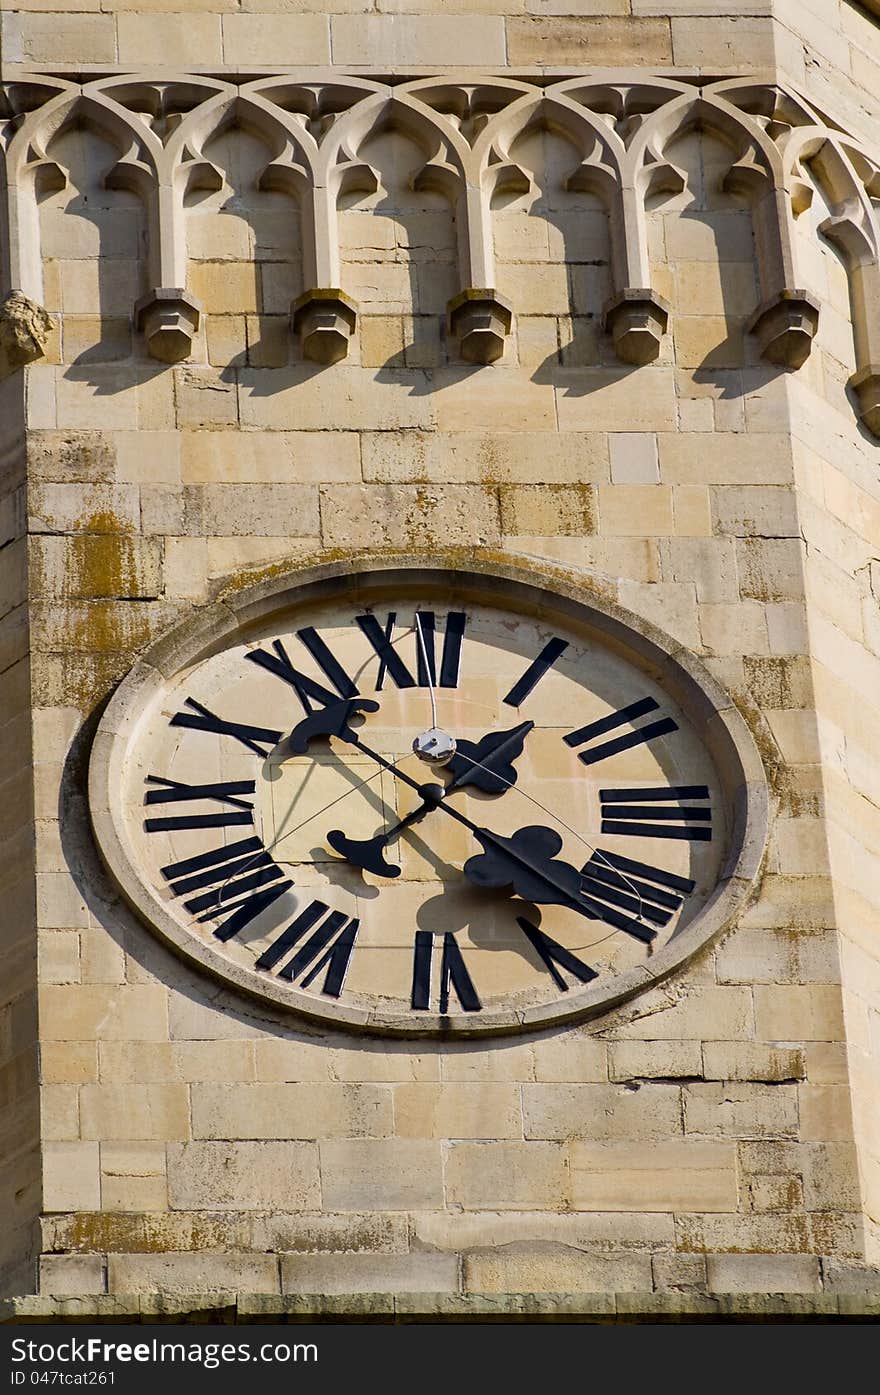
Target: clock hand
(488,764)
(524,861)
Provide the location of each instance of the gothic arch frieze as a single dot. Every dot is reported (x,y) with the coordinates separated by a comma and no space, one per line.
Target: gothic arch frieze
(623,129)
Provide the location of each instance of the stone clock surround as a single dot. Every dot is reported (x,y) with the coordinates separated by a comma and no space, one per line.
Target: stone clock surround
(361,576)
(731,503)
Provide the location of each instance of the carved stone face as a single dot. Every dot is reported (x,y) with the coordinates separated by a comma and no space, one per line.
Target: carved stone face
(262,806)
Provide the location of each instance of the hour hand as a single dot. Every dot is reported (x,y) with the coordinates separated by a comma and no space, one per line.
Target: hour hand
(331,720)
(487,764)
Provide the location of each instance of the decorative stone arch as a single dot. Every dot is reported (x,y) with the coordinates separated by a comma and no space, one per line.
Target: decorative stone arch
(787,317)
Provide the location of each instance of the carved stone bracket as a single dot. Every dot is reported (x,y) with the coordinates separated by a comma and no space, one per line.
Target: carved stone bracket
(637,321)
(785,327)
(480,319)
(169,320)
(24,332)
(324,320)
(865,384)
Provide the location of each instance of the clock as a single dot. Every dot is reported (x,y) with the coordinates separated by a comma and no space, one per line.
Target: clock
(414,800)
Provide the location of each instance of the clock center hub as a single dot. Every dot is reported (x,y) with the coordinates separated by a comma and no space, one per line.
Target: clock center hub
(435,746)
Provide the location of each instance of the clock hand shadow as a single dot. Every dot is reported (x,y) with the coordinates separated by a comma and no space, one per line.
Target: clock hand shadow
(461,906)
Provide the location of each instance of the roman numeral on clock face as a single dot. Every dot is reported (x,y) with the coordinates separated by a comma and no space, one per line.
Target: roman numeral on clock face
(330,947)
(616,884)
(453,975)
(260,740)
(229,792)
(658,812)
(552,650)
(240,878)
(307,689)
(555,956)
(625,716)
(427,671)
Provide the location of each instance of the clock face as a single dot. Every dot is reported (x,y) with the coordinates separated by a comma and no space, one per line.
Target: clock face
(562,822)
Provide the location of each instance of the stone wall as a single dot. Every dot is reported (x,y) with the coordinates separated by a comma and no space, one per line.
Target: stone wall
(700,1138)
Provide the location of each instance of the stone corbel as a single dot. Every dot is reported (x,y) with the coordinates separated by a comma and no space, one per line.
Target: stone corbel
(24,332)
(480,319)
(636,316)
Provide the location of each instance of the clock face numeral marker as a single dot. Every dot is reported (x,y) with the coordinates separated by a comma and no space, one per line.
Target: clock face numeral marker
(535,671)
(390,661)
(231,871)
(202,719)
(330,946)
(640,812)
(173,792)
(453,975)
(305,687)
(392,664)
(327,662)
(650,892)
(451,660)
(550,953)
(619,743)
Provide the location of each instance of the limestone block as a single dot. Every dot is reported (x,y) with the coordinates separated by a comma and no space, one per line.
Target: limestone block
(71,1177)
(133,1177)
(601,399)
(204,399)
(382,341)
(572,1056)
(482,1110)
(192,1273)
(167,1062)
(369,1273)
(753,511)
(152,38)
(771,569)
(507,1176)
(826,1063)
(58,952)
(735,458)
(290,1111)
(742,1110)
(706,1014)
(69,1062)
(735,627)
(635,510)
(59,1111)
(745,1060)
(103,1011)
(548,509)
(135,1111)
(665,1176)
(508,400)
(596,1231)
(71,1275)
(600,42)
(418,40)
(830,1176)
(709,1233)
(52,38)
(759,956)
(519,457)
(270,39)
(229,509)
(825,1113)
(601,1111)
(647,1060)
(541,1268)
(763,1273)
(409,516)
(381,1174)
(249,1176)
(314,400)
(634,458)
(792,1013)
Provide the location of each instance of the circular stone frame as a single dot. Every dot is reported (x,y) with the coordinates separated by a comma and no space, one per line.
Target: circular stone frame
(365,578)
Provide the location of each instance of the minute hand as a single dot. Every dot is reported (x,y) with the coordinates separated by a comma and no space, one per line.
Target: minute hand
(524,861)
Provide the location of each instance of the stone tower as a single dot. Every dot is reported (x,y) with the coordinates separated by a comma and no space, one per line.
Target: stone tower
(292,294)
